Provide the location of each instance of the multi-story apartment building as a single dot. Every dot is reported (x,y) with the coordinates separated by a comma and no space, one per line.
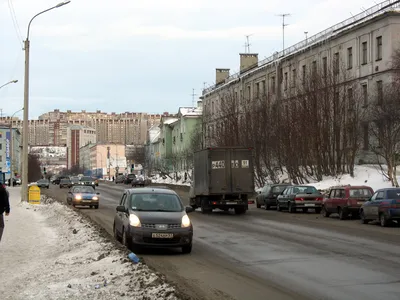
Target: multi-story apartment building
(125,128)
(77,137)
(9,150)
(363,45)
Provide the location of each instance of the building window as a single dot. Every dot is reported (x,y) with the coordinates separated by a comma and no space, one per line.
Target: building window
(379,48)
(364,53)
(263,87)
(273,84)
(366,136)
(286,81)
(325,65)
(365,94)
(336,63)
(258,90)
(349,58)
(1,146)
(350,98)
(304,70)
(248,92)
(1,158)
(379,88)
(314,68)
(294,77)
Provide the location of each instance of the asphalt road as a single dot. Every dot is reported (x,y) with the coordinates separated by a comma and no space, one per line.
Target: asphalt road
(272,255)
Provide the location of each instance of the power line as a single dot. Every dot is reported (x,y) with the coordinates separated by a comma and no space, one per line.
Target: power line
(15,21)
(283,29)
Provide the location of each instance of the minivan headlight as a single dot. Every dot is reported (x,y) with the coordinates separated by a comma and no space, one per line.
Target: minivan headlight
(134,221)
(185,221)
(78,197)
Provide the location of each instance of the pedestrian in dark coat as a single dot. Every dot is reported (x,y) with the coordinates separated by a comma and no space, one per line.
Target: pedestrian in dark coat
(4,207)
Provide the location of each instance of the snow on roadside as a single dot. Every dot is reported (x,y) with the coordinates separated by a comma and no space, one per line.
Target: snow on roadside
(168,180)
(72,261)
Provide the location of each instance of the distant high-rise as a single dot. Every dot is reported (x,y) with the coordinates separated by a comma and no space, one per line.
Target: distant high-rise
(124,128)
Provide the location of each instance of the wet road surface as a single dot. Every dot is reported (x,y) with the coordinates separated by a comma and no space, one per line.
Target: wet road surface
(272,255)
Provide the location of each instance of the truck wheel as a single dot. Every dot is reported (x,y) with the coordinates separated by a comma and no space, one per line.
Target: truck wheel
(240,210)
(204,207)
(258,205)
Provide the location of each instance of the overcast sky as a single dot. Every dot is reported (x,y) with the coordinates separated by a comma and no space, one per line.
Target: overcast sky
(143,55)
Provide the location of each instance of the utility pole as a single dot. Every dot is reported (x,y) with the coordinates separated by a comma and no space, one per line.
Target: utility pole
(283,30)
(193,97)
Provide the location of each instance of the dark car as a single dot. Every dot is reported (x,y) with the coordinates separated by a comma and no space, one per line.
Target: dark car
(384,205)
(43,183)
(300,197)
(83,196)
(152,217)
(58,179)
(87,181)
(120,179)
(128,179)
(74,180)
(138,181)
(65,183)
(269,194)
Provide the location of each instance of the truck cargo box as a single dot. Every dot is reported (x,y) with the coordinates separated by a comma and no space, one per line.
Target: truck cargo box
(223,170)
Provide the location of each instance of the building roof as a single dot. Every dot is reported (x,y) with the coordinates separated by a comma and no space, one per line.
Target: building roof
(190,111)
(366,15)
(154,134)
(80,127)
(170,121)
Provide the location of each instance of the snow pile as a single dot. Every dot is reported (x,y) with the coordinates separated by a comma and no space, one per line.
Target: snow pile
(63,256)
(173,178)
(369,175)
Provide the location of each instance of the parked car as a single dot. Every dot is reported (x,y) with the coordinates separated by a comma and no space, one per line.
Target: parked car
(88,181)
(268,195)
(384,205)
(138,181)
(345,200)
(65,183)
(120,179)
(43,183)
(151,217)
(129,178)
(83,196)
(300,197)
(58,179)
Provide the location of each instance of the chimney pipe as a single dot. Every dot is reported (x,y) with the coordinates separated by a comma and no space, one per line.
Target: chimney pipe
(221,75)
(248,61)
(200,104)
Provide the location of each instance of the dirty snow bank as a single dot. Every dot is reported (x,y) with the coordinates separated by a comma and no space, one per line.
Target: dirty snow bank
(51,252)
(175,178)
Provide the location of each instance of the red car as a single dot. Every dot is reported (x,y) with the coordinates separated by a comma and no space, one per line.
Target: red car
(346,200)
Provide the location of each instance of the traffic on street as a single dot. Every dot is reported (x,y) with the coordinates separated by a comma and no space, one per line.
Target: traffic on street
(279,254)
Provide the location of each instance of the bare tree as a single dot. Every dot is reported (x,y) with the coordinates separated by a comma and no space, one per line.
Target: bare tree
(384,128)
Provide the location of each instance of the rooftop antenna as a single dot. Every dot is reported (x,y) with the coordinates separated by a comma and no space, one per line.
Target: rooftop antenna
(204,85)
(247,44)
(283,30)
(193,97)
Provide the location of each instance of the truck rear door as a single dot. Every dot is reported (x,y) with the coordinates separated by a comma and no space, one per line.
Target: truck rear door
(220,179)
(241,164)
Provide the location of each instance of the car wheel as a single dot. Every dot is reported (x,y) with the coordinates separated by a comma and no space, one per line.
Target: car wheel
(292,209)
(125,239)
(383,221)
(115,232)
(96,207)
(187,249)
(362,218)
(278,207)
(324,213)
(266,206)
(258,205)
(342,214)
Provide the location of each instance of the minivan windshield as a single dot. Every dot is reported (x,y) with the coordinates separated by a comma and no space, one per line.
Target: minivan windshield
(83,190)
(85,178)
(156,202)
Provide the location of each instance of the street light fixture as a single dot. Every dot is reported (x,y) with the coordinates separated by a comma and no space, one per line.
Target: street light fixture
(12,148)
(12,81)
(25,129)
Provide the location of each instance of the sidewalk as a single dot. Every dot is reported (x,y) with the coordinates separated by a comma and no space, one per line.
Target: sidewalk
(49,251)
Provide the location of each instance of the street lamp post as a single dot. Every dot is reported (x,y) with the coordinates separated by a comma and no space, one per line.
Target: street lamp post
(25,130)
(12,149)
(12,81)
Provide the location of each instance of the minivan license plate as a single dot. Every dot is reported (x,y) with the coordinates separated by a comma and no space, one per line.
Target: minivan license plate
(231,203)
(309,204)
(162,235)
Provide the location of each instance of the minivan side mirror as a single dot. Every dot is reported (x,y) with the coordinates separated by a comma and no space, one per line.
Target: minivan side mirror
(189,209)
(97,193)
(121,208)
